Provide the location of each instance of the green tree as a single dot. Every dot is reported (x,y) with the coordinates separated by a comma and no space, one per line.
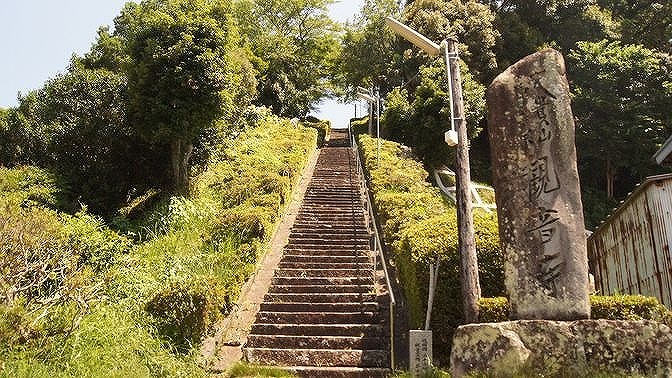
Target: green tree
(89,141)
(422,121)
(185,70)
(296,44)
(23,138)
(622,97)
(642,21)
(468,20)
(370,53)
(527,26)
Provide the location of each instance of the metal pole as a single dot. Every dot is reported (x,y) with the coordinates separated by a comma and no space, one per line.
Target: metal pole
(378,126)
(471,291)
(433,278)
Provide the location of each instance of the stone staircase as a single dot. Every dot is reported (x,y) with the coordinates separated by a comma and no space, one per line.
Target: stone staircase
(323,316)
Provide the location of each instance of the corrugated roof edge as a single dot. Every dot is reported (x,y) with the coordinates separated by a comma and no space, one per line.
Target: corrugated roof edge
(664,153)
(638,189)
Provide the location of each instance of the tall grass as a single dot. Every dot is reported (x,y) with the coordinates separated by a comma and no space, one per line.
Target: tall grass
(136,307)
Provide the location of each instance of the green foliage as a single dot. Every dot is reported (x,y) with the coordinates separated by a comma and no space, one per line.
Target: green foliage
(493,310)
(202,248)
(84,301)
(611,307)
(184,311)
(622,93)
(642,22)
(89,142)
(31,186)
(296,43)
(420,228)
(596,206)
(23,137)
(629,307)
(108,342)
(359,125)
(421,121)
(370,52)
(185,70)
(323,128)
(470,21)
(433,372)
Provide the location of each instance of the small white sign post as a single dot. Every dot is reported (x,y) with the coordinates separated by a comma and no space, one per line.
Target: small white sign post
(420,345)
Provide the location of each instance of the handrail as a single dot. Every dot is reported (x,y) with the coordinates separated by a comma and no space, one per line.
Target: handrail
(377,245)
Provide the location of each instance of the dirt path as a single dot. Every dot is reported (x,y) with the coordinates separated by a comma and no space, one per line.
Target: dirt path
(224,349)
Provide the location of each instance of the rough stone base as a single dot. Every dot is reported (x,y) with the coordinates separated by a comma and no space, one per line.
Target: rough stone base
(561,348)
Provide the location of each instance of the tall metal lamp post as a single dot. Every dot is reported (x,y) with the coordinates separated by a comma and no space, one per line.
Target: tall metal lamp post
(471,291)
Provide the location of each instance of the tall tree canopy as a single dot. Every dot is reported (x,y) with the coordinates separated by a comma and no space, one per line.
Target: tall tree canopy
(622,101)
(185,70)
(296,44)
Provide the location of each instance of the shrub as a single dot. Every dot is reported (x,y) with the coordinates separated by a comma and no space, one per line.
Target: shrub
(31,186)
(84,301)
(611,307)
(323,128)
(629,307)
(184,311)
(420,228)
(359,125)
(493,310)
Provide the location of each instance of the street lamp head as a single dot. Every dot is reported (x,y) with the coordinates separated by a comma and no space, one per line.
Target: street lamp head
(366,97)
(363,90)
(450,137)
(413,36)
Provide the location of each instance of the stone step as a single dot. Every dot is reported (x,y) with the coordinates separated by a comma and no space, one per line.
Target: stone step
(324,265)
(328,210)
(333,199)
(288,289)
(297,238)
(324,259)
(313,342)
(331,231)
(317,357)
(307,216)
(320,297)
(329,247)
(337,372)
(278,280)
(327,251)
(288,272)
(326,307)
(368,330)
(331,227)
(317,317)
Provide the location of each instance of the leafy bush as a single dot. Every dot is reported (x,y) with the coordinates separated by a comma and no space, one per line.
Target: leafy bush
(629,307)
(31,186)
(420,228)
(359,125)
(612,307)
(184,311)
(493,310)
(323,128)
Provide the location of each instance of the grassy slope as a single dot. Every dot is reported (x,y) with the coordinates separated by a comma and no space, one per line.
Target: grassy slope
(112,307)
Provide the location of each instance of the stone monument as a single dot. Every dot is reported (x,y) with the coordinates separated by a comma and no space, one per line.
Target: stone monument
(541,227)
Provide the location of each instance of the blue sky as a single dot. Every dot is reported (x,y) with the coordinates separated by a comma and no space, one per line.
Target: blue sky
(38,38)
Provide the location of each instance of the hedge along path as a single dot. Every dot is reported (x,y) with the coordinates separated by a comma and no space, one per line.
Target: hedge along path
(224,349)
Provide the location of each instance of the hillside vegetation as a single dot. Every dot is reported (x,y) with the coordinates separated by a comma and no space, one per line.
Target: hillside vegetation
(139,186)
(79,298)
